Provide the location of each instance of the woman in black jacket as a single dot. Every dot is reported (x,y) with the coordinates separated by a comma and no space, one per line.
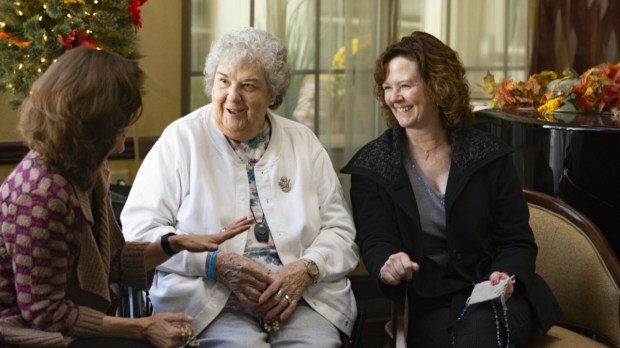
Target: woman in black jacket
(438,207)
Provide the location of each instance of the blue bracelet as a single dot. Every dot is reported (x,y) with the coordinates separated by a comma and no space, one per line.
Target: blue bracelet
(211,272)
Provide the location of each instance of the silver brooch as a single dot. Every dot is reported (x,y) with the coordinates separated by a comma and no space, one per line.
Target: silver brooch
(285,184)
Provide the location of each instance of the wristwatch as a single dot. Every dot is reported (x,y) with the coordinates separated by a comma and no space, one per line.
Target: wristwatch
(165,244)
(312,269)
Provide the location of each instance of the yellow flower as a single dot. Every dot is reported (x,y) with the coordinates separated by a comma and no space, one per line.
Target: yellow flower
(551,105)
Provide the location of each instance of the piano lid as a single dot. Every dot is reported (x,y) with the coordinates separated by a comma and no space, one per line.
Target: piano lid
(589,122)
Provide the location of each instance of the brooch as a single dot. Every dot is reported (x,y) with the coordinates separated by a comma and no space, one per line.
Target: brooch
(285,184)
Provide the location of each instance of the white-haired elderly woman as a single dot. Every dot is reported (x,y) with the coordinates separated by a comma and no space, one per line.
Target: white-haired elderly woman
(283,283)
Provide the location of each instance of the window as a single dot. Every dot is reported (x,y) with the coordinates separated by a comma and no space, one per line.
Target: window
(333,45)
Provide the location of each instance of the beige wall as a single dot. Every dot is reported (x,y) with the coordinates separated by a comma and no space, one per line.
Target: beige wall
(160,44)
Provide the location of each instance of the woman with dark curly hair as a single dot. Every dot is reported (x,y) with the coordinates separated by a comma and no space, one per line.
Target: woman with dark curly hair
(438,207)
(60,245)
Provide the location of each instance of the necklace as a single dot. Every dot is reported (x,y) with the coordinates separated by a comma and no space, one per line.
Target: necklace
(427,153)
(261,230)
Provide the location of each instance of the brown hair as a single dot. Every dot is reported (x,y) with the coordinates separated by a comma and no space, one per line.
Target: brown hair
(443,74)
(77,108)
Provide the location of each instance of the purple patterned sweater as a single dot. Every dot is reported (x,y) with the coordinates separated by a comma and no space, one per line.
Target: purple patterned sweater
(54,272)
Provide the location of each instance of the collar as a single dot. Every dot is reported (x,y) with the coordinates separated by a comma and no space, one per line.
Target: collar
(382,158)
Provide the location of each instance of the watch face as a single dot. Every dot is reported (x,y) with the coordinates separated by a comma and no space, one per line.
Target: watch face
(312,269)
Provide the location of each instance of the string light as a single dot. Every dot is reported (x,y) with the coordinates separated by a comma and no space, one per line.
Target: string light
(74,23)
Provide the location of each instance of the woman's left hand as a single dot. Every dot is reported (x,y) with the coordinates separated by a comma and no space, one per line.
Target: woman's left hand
(497,276)
(281,297)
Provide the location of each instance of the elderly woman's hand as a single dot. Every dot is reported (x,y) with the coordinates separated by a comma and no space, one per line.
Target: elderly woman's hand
(281,297)
(397,268)
(246,278)
(209,242)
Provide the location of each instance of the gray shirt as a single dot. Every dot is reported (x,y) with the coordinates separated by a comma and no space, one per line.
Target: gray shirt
(431,206)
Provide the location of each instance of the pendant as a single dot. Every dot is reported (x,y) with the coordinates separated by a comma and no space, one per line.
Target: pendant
(261,232)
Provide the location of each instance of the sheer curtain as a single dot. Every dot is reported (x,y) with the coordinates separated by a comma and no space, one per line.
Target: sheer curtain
(489,35)
(332,46)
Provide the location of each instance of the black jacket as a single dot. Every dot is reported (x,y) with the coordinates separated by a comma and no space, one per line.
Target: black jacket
(487,226)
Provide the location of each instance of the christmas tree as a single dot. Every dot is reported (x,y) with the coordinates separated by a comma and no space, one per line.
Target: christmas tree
(34,33)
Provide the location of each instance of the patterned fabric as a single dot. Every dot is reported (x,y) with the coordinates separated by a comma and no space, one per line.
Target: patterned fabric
(38,214)
(54,273)
(265,254)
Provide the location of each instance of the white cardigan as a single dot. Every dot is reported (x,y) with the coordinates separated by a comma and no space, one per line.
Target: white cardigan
(192,182)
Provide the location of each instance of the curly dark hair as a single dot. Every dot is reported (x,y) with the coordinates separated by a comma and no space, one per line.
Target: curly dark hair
(78,107)
(443,74)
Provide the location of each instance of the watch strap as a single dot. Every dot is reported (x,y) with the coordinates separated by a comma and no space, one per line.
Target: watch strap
(165,244)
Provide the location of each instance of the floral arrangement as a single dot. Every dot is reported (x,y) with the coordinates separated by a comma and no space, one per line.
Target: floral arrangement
(595,91)
(34,33)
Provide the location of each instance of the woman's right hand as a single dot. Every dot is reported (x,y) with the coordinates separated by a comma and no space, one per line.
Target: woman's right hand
(246,278)
(163,329)
(397,268)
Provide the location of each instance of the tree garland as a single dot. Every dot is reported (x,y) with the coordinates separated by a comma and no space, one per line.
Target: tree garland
(34,33)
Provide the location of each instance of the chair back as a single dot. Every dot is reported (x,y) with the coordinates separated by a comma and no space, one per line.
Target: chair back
(579,265)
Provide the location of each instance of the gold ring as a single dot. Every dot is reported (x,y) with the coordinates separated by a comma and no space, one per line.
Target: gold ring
(287,298)
(279,293)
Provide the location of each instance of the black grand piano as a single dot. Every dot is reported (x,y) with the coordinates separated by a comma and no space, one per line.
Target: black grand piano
(573,156)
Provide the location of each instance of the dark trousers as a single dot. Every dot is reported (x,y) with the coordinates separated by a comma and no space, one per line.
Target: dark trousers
(435,327)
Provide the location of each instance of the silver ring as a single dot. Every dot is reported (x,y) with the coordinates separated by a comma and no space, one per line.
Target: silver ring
(286,297)
(279,293)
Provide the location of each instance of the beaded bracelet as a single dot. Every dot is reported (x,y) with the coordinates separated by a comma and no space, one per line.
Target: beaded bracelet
(211,272)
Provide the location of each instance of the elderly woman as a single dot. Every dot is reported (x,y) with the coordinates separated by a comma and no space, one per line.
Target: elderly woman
(60,245)
(284,282)
(439,207)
